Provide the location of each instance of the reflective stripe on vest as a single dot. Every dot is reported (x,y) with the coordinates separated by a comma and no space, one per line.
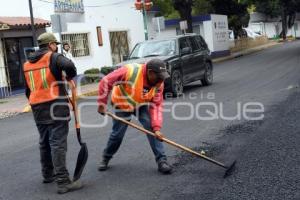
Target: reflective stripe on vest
(43,73)
(32,87)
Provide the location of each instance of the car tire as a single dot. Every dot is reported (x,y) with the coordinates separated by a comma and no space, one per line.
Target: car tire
(177,83)
(208,75)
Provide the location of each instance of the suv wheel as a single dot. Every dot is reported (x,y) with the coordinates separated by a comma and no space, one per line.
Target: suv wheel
(208,75)
(177,84)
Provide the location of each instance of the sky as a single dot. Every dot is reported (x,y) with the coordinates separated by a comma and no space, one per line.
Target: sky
(9,8)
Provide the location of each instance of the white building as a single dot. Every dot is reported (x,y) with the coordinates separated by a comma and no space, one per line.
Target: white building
(99,36)
(15,37)
(213,28)
(272,27)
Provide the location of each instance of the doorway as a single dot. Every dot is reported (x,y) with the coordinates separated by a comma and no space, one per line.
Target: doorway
(119,45)
(15,58)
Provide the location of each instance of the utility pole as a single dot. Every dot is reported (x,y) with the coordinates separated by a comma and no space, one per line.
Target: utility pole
(32,24)
(145,20)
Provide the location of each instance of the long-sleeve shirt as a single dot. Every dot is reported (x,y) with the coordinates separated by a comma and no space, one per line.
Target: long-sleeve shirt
(119,75)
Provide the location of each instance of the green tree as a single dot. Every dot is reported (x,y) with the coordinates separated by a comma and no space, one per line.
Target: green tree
(236,10)
(166,9)
(202,7)
(184,8)
(286,9)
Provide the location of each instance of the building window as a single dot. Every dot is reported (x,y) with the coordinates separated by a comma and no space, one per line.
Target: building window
(79,43)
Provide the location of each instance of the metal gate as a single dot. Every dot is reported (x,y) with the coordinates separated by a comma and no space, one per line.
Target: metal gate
(119,45)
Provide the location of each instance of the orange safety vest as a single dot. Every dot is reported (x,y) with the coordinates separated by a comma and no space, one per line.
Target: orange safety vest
(43,86)
(129,94)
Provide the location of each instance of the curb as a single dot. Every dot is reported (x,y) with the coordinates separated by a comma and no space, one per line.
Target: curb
(245,52)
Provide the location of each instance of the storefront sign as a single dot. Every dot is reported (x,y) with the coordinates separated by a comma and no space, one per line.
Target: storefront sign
(73,6)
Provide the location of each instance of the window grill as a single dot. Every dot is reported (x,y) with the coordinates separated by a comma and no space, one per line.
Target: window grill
(79,43)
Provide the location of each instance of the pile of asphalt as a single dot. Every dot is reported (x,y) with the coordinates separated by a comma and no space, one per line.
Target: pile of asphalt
(267,154)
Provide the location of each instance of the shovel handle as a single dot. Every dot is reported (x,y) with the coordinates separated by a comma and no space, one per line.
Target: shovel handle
(166,140)
(73,102)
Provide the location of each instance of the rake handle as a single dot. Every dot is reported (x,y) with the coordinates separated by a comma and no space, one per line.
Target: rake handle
(166,140)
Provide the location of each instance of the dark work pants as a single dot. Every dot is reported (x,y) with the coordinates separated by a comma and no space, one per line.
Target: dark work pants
(53,148)
(119,129)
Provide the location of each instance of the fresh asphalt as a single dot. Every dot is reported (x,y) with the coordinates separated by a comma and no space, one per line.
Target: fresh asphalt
(267,150)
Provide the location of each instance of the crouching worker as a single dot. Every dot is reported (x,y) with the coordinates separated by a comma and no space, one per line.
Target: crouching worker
(136,90)
(43,72)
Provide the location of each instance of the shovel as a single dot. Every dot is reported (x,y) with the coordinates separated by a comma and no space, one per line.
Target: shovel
(83,153)
(229,169)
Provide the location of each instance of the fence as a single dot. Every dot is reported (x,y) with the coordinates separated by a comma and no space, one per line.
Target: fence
(246,43)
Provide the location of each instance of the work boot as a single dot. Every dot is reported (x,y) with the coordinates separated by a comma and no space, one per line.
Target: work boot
(164,167)
(103,164)
(48,179)
(72,186)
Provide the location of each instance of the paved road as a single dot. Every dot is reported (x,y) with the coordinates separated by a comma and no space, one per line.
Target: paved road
(266,150)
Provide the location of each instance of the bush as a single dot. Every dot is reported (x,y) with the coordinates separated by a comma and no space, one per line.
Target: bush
(106,70)
(92,75)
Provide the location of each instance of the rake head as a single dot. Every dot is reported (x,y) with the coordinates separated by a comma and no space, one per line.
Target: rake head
(229,170)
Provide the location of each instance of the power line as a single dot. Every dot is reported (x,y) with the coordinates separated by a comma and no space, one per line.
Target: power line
(93,6)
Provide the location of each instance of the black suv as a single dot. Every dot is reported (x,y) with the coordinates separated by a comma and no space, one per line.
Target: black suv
(187,59)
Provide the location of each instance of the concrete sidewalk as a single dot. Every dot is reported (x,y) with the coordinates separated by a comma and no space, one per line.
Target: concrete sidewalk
(19,104)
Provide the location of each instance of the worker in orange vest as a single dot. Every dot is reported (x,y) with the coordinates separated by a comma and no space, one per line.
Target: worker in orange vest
(47,97)
(136,90)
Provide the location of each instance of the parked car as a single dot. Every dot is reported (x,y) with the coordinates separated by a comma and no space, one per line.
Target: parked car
(187,59)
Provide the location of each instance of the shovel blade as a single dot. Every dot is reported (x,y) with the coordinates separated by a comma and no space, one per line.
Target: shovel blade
(81,161)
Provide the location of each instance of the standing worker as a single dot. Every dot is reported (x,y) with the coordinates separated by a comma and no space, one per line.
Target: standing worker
(136,89)
(43,72)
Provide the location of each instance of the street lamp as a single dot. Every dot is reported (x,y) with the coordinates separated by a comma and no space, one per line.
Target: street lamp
(144,6)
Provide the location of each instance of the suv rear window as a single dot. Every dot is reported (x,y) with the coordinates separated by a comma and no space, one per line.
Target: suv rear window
(201,42)
(194,44)
(183,43)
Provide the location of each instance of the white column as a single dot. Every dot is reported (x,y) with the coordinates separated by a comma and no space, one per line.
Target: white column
(3,79)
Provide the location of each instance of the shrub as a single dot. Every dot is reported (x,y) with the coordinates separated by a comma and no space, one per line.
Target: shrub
(106,70)
(92,75)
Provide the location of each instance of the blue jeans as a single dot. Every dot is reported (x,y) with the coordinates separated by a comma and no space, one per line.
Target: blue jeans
(119,129)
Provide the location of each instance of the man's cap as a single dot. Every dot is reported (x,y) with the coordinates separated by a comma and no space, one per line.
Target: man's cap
(159,67)
(46,38)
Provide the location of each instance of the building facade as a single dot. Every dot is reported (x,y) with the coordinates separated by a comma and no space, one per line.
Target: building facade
(99,35)
(213,28)
(15,38)
(272,27)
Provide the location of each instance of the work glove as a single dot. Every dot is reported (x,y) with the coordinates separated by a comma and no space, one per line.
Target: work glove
(102,109)
(159,135)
